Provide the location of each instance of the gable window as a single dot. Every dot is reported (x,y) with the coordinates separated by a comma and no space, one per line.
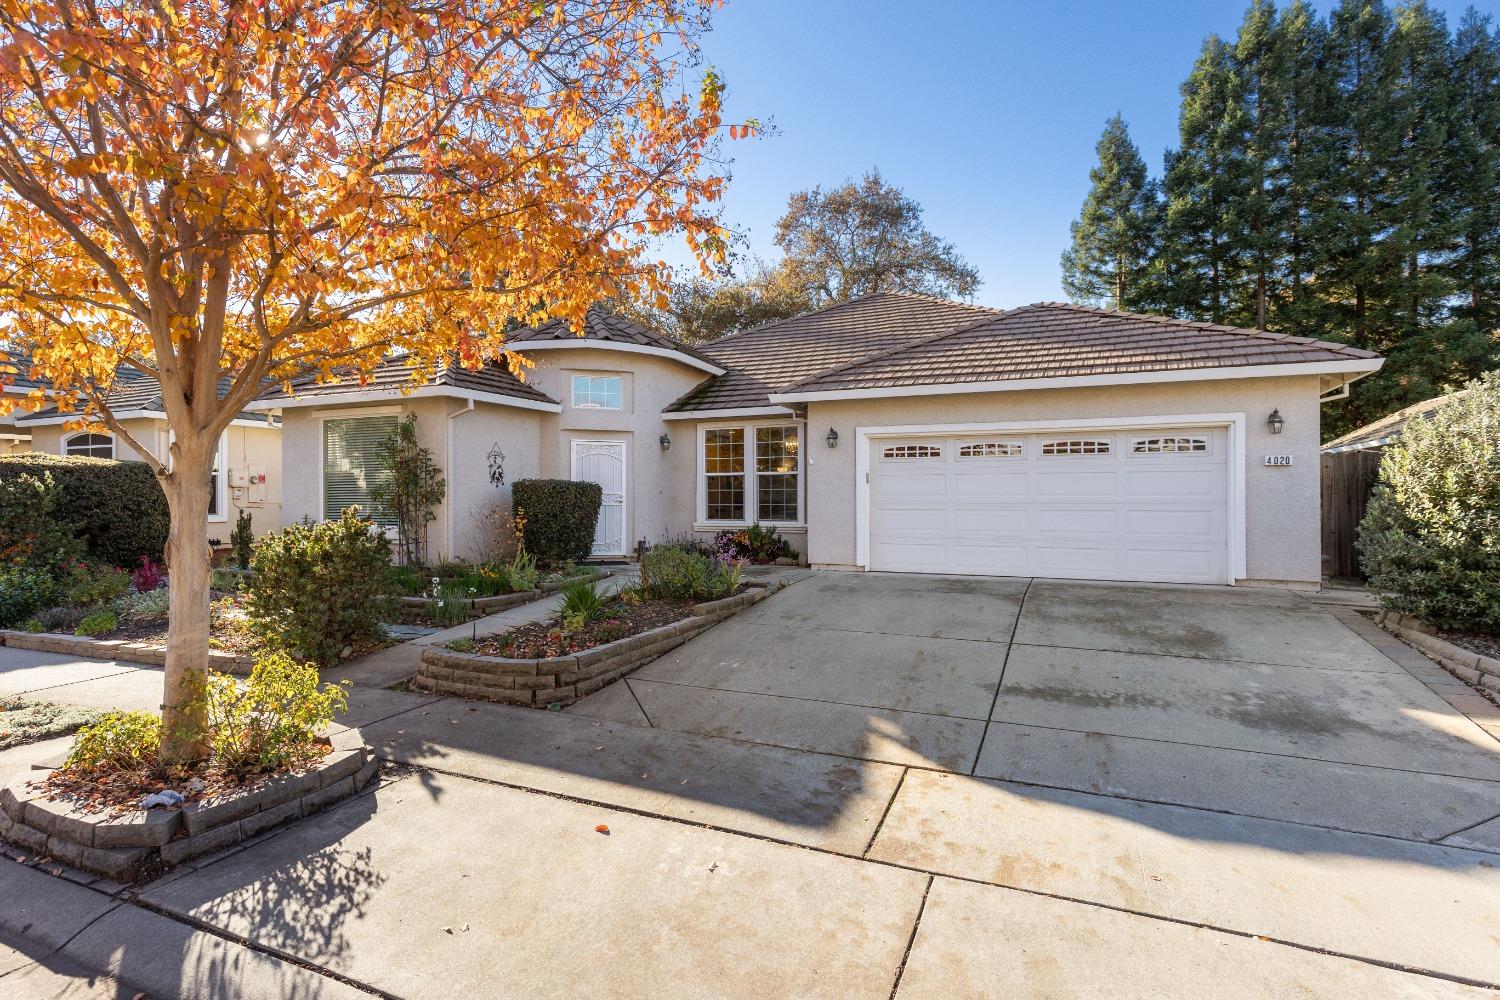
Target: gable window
(752,473)
(598,392)
(351,464)
(90,445)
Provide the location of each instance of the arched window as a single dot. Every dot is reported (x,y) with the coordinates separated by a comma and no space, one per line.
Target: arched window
(90,445)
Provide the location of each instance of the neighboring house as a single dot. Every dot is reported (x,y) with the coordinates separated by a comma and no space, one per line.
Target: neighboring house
(15,382)
(893,432)
(247,470)
(1375,435)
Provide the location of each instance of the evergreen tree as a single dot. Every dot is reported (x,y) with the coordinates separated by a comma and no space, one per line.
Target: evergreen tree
(1471,194)
(1114,238)
(1205,179)
(1257,221)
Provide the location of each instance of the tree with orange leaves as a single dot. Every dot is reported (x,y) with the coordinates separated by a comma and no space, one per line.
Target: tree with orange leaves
(222,194)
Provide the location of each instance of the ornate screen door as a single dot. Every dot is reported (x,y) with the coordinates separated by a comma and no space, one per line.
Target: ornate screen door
(603,462)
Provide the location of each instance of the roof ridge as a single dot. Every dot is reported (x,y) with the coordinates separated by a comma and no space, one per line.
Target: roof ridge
(832,306)
(897,351)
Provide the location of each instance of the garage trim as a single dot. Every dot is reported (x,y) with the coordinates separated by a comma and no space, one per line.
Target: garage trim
(1234,423)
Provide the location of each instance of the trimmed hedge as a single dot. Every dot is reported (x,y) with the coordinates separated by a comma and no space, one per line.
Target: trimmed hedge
(117,509)
(560,516)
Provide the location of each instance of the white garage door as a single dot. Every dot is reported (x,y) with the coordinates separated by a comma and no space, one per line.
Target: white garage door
(1111,505)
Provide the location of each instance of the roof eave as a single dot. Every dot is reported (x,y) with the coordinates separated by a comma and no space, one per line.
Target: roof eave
(1361,366)
(728,412)
(522,346)
(356,397)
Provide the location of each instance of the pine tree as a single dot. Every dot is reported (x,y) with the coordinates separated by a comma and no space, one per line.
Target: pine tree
(1205,179)
(1115,236)
(1257,221)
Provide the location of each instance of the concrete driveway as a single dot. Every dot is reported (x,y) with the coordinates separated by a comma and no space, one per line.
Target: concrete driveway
(866,786)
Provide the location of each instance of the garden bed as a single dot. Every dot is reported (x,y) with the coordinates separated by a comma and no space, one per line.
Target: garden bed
(577,667)
(98,826)
(23,722)
(417,609)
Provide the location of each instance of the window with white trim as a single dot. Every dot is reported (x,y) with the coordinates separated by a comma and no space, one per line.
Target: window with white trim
(897,452)
(777,479)
(752,473)
(991,449)
(724,471)
(351,464)
(1076,447)
(1167,445)
(216,504)
(90,445)
(598,392)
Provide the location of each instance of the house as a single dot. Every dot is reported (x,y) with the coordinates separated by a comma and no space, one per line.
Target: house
(1375,435)
(893,432)
(247,470)
(15,382)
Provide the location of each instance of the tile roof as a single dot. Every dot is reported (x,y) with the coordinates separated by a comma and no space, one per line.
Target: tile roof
(1380,432)
(132,390)
(1058,340)
(603,326)
(393,374)
(15,368)
(777,355)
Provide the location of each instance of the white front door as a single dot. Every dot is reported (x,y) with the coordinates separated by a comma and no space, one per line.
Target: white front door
(1134,504)
(603,462)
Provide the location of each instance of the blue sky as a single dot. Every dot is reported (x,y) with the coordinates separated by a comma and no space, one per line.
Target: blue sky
(985,112)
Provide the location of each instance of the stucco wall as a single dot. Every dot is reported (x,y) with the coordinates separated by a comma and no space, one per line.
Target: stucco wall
(1281,504)
(659,486)
(247,449)
(459,447)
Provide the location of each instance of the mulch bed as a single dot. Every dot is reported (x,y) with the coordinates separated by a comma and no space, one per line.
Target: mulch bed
(122,791)
(618,620)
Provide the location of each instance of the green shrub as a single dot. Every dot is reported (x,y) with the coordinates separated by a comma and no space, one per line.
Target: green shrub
(152,606)
(93,583)
(449,603)
(31,533)
(670,570)
(462,645)
(97,624)
(24,591)
(242,539)
(523,572)
(33,625)
(117,509)
(559,516)
(119,741)
(581,600)
(1430,540)
(272,719)
(319,586)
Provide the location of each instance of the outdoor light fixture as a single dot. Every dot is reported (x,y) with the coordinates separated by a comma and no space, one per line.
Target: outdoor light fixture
(1275,422)
(664,441)
(832,438)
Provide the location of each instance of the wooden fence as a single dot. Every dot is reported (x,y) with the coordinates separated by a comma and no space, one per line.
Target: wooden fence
(1347,479)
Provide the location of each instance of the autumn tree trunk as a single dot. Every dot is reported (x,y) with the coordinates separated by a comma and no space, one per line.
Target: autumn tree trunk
(189,565)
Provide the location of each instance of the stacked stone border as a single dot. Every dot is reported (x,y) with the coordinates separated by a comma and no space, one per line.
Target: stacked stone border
(124,650)
(1475,669)
(480,606)
(562,680)
(124,846)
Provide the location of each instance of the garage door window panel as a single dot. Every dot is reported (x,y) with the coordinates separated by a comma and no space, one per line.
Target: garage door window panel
(1077,446)
(991,449)
(908,452)
(1169,446)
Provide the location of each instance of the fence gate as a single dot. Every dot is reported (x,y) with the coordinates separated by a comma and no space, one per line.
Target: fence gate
(1348,477)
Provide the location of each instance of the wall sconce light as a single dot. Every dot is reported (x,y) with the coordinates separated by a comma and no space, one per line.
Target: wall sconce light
(832,438)
(664,441)
(1275,422)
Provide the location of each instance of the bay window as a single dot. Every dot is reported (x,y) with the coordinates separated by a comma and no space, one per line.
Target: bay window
(751,473)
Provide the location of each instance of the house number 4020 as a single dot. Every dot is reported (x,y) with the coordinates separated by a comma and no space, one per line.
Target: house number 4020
(1278,460)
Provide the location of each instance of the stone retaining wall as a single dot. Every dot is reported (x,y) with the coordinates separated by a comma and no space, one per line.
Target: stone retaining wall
(122,846)
(1483,672)
(562,680)
(124,650)
(480,606)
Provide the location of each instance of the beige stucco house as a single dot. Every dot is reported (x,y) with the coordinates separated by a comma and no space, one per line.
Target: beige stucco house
(895,432)
(247,472)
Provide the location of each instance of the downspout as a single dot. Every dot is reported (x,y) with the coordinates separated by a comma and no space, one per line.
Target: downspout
(448,501)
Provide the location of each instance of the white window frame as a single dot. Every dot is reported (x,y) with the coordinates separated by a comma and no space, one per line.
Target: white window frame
(592,376)
(345,414)
(78,434)
(752,492)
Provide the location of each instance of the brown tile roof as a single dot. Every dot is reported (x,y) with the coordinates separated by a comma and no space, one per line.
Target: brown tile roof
(394,374)
(1058,340)
(604,326)
(775,356)
(1380,432)
(15,372)
(132,391)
